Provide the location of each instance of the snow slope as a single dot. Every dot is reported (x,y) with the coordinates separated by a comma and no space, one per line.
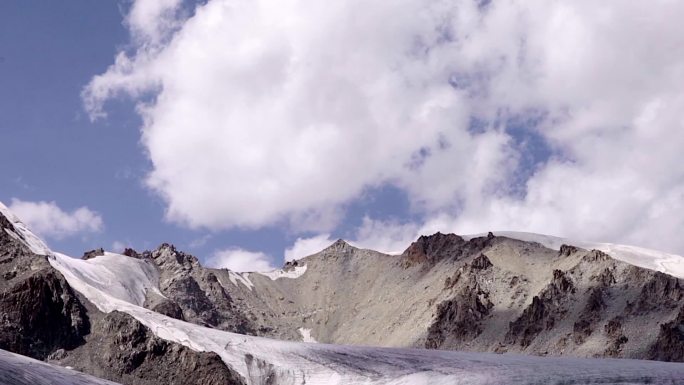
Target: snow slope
(638,256)
(20,370)
(258,359)
(121,277)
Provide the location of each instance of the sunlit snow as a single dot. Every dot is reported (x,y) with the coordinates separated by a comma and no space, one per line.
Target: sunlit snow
(292,274)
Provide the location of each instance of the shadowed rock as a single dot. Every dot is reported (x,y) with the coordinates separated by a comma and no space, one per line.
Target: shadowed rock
(542,314)
(93,253)
(128,352)
(432,249)
(670,343)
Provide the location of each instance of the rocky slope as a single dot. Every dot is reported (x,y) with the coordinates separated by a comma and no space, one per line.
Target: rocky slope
(489,293)
(44,318)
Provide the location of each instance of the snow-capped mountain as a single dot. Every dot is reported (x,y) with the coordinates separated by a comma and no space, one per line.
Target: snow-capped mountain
(160,317)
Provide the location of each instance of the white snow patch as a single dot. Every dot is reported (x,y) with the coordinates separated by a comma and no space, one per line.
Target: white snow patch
(294,273)
(121,277)
(306,335)
(671,264)
(242,277)
(23,234)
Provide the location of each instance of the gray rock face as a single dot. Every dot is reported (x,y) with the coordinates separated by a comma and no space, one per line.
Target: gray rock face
(546,309)
(433,248)
(459,318)
(444,292)
(194,293)
(43,318)
(121,349)
(39,312)
(670,343)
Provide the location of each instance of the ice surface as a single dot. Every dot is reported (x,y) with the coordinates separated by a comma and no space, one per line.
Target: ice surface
(23,234)
(671,264)
(20,370)
(294,273)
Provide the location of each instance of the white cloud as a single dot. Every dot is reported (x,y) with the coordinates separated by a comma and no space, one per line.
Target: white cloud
(269,112)
(272,111)
(240,260)
(152,20)
(390,237)
(118,246)
(303,247)
(49,220)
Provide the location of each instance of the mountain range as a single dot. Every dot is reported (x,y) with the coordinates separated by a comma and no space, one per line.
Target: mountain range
(495,308)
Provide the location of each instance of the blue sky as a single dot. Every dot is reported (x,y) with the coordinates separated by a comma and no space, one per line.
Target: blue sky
(263,128)
(53,152)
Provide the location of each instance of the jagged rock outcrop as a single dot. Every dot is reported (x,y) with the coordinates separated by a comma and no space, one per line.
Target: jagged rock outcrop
(122,349)
(614,331)
(196,292)
(429,250)
(42,317)
(39,312)
(567,250)
(660,290)
(459,318)
(168,308)
(481,263)
(670,343)
(546,309)
(131,253)
(93,253)
(433,248)
(590,315)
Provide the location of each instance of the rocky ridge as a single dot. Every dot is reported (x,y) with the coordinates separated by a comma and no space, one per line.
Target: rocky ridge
(487,293)
(42,317)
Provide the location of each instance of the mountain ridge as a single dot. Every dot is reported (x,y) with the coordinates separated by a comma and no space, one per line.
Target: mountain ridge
(480,294)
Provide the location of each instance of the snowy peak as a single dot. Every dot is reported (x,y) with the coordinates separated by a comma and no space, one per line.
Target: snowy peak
(14,227)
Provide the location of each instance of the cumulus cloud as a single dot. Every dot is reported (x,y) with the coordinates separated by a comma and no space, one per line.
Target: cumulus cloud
(303,247)
(240,260)
(49,220)
(271,111)
(561,117)
(387,236)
